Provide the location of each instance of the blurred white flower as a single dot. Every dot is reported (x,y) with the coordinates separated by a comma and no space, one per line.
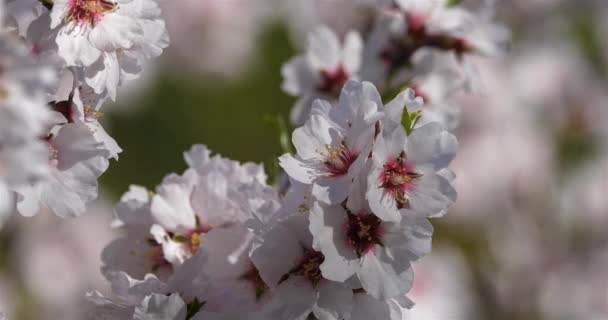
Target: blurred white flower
(211,36)
(108,38)
(23,117)
(583,198)
(304,16)
(503,153)
(59,260)
(322,70)
(182,297)
(406,26)
(577,289)
(442,287)
(76,160)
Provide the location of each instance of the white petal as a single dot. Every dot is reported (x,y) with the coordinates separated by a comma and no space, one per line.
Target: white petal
(28,200)
(298,78)
(171,207)
(74,47)
(116,32)
(323,49)
(295,168)
(332,190)
(352,52)
(380,280)
(59,12)
(312,138)
(161,307)
(327,224)
(335,301)
(432,195)
(433,144)
(104,75)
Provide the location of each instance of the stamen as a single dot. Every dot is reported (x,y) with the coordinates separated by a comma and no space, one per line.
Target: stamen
(398,178)
(88,11)
(337,160)
(363,232)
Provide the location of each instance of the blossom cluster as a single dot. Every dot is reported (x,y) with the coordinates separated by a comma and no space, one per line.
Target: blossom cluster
(336,241)
(339,239)
(61,60)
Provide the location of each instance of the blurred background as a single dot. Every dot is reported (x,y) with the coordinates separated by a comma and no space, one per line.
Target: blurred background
(528,237)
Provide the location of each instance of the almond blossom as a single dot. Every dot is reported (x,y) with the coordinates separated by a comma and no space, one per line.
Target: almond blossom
(181,297)
(110,39)
(23,118)
(334,143)
(296,279)
(322,70)
(76,160)
(215,207)
(354,241)
(406,172)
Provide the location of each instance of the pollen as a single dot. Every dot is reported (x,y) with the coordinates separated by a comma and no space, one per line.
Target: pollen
(195,241)
(89,12)
(336,160)
(308,267)
(398,178)
(91,113)
(363,232)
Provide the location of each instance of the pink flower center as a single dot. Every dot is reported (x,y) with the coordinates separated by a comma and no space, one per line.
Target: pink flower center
(363,232)
(88,11)
(192,238)
(415,24)
(332,81)
(398,178)
(336,160)
(308,267)
(420,93)
(252,275)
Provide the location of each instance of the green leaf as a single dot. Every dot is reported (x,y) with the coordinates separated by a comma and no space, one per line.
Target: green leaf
(180,238)
(451,3)
(47,4)
(409,120)
(194,307)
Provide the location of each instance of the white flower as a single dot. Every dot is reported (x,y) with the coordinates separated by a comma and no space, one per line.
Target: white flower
(211,51)
(288,264)
(323,70)
(182,297)
(411,25)
(136,253)
(212,205)
(405,172)
(109,38)
(354,241)
(76,160)
(69,250)
(23,113)
(214,193)
(23,118)
(442,287)
(334,143)
(82,106)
